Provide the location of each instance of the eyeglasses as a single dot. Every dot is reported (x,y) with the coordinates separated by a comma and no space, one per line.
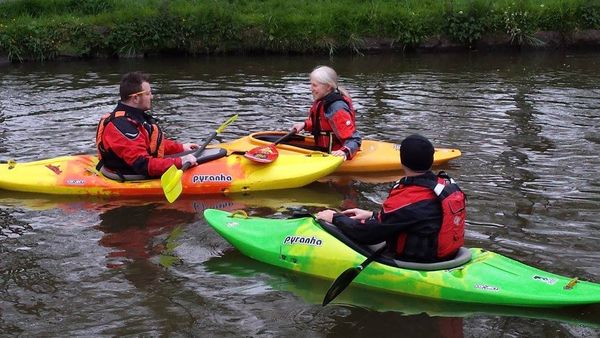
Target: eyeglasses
(143,92)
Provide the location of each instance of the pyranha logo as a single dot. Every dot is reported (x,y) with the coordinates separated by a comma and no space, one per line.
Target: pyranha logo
(211,178)
(200,206)
(550,281)
(75,182)
(303,240)
(486,287)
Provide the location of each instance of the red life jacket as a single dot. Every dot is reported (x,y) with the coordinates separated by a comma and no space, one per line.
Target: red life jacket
(322,130)
(453,201)
(106,156)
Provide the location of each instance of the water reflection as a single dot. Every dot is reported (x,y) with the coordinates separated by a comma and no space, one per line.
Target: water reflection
(363,302)
(136,233)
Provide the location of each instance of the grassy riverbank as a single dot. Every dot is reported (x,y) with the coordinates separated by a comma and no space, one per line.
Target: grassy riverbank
(47,29)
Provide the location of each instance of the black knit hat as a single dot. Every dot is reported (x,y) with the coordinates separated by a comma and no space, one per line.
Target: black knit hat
(416,153)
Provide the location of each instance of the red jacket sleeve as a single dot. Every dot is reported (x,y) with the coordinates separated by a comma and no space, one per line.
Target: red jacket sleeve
(172,147)
(134,151)
(342,124)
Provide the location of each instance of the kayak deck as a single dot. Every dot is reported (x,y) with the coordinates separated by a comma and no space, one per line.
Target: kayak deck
(302,245)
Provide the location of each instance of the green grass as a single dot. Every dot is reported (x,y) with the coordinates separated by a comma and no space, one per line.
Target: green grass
(45,29)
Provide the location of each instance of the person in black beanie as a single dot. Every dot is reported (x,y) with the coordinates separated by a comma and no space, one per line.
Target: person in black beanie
(416,154)
(410,218)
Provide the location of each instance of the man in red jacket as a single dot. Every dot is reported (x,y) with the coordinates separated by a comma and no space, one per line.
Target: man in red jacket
(412,220)
(129,141)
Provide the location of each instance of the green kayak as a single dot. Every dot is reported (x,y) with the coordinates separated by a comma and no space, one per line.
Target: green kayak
(475,276)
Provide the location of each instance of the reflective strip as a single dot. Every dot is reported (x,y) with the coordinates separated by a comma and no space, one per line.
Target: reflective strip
(438,188)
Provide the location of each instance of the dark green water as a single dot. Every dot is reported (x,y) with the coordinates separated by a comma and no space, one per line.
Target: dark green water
(527,126)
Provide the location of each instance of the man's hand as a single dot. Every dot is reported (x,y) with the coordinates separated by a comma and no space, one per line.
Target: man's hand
(358,214)
(326,215)
(190,146)
(189,158)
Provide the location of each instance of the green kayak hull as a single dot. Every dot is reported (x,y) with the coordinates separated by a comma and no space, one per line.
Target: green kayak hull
(305,246)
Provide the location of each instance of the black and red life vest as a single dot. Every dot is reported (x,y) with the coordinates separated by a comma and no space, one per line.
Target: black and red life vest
(450,236)
(109,158)
(322,130)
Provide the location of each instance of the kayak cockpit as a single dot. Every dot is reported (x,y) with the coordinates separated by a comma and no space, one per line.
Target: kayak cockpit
(462,257)
(206,156)
(294,140)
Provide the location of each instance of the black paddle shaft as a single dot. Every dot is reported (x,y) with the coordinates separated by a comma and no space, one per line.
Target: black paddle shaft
(343,280)
(284,137)
(200,150)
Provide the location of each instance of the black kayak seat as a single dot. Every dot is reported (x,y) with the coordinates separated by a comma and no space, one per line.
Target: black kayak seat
(462,256)
(206,156)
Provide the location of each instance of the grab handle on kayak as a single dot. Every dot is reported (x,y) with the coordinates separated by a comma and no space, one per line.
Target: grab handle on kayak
(571,283)
(239,214)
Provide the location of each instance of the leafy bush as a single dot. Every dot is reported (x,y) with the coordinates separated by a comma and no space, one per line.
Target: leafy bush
(467,23)
(590,15)
(45,29)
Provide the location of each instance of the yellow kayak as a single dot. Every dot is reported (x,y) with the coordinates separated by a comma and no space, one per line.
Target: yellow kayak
(374,156)
(77,175)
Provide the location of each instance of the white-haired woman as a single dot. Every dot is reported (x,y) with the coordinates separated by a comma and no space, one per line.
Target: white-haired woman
(332,118)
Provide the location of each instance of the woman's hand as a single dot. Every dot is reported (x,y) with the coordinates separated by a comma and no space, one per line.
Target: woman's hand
(298,126)
(339,153)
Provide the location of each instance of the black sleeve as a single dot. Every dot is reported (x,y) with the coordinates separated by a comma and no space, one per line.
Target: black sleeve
(410,218)
(369,232)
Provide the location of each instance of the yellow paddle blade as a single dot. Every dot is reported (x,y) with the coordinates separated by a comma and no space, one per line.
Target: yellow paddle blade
(171,183)
(226,123)
(171,179)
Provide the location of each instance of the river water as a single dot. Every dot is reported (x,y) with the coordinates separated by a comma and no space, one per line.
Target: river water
(527,125)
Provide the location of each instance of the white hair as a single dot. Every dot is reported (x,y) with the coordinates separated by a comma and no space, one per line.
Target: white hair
(326,75)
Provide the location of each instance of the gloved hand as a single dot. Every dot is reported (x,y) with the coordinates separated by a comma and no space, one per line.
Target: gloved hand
(190,146)
(189,158)
(298,126)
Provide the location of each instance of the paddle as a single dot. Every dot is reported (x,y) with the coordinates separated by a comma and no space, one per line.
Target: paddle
(268,153)
(343,280)
(171,179)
